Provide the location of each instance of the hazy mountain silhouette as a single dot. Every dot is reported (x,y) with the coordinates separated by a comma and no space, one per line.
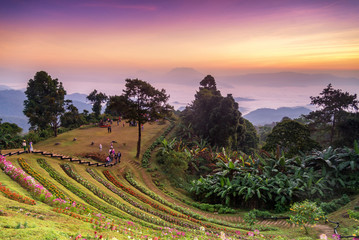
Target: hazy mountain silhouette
(285,79)
(263,116)
(4,87)
(80,97)
(184,76)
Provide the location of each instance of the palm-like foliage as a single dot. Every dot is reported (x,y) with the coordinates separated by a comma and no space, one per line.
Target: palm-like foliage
(267,180)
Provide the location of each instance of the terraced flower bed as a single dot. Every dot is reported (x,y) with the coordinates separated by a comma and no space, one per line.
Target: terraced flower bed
(140,197)
(15,196)
(25,181)
(52,172)
(165,217)
(154,196)
(46,183)
(142,216)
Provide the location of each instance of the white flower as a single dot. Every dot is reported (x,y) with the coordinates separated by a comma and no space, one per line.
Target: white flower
(323,236)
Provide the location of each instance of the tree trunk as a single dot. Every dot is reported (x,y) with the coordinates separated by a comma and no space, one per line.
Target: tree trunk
(139,141)
(55,130)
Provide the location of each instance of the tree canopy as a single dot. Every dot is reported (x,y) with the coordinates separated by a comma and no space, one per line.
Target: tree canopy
(291,137)
(97,98)
(142,103)
(45,102)
(334,105)
(72,118)
(9,134)
(212,116)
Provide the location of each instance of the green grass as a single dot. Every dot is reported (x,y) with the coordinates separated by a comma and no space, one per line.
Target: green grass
(52,225)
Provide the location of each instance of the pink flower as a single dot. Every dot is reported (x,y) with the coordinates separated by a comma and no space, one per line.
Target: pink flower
(78,237)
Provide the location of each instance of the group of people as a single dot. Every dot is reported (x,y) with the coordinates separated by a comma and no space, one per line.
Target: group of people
(29,148)
(112,155)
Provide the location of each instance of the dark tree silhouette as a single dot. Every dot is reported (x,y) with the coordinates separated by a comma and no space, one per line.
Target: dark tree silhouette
(334,105)
(97,99)
(142,103)
(45,102)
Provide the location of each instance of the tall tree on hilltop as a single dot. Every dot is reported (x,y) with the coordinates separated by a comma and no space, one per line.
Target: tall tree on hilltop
(334,104)
(97,99)
(45,102)
(212,116)
(142,103)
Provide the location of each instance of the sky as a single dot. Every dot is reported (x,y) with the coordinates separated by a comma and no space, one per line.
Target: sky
(90,44)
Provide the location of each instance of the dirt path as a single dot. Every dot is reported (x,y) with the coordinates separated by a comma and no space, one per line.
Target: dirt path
(326,229)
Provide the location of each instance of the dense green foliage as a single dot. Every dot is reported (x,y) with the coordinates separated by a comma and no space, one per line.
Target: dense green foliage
(291,137)
(250,141)
(334,107)
(97,99)
(9,135)
(269,181)
(214,117)
(335,204)
(72,118)
(45,102)
(348,130)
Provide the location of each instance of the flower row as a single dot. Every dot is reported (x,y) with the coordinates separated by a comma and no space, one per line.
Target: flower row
(112,211)
(55,175)
(27,182)
(47,184)
(191,216)
(139,215)
(140,197)
(136,204)
(15,196)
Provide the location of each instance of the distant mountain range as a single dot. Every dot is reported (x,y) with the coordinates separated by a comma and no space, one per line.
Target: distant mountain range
(264,116)
(285,79)
(191,77)
(184,76)
(12,105)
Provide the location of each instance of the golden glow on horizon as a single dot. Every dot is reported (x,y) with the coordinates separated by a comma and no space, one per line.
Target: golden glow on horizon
(215,47)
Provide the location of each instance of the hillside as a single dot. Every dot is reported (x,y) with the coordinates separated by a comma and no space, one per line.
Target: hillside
(118,206)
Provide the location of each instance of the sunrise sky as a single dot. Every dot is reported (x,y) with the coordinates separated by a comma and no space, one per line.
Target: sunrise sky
(103,41)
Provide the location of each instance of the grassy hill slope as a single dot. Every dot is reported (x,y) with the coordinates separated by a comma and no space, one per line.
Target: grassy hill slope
(116,209)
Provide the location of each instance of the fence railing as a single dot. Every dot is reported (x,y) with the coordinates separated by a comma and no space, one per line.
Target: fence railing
(64,158)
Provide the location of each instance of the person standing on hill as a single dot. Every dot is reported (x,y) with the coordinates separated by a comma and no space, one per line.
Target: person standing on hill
(31,149)
(24,145)
(119,157)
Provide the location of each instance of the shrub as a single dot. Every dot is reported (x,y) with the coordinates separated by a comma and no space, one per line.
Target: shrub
(353,214)
(304,213)
(250,217)
(332,206)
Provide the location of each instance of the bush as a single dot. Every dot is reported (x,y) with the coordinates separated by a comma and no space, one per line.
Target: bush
(250,217)
(332,206)
(305,213)
(353,214)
